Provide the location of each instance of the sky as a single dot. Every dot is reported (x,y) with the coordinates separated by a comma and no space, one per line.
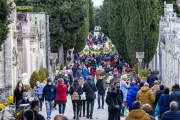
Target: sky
(97,2)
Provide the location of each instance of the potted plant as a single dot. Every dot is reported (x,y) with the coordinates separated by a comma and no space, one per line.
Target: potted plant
(2,106)
(61,67)
(144,74)
(9,101)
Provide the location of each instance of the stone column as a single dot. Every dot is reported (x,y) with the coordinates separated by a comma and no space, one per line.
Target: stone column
(61,55)
(53,57)
(140,56)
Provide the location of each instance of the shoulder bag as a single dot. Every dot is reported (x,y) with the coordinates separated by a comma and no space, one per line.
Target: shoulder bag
(176,96)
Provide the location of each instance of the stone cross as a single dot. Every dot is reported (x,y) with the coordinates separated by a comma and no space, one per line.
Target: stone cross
(53,57)
(140,56)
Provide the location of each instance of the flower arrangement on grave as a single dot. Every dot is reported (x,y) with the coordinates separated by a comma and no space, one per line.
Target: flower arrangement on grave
(9,100)
(2,106)
(17,115)
(44,81)
(144,74)
(108,77)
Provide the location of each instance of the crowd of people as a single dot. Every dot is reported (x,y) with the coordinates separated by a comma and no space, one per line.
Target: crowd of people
(81,81)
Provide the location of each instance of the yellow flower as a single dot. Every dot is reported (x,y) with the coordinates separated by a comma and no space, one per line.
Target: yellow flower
(18,113)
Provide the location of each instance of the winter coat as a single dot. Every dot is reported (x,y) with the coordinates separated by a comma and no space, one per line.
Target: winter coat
(100,87)
(38,90)
(174,98)
(49,93)
(112,99)
(158,95)
(75,87)
(18,95)
(93,74)
(107,70)
(138,114)
(70,78)
(150,79)
(89,88)
(93,63)
(74,69)
(61,92)
(98,58)
(127,70)
(131,95)
(85,73)
(117,72)
(120,97)
(79,73)
(61,76)
(92,78)
(155,88)
(22,102)
(97,74)
(145,96)
(171,115)
(120,67)
(111,59)
(69,58)
(164,102)
(124,87)
(86,62)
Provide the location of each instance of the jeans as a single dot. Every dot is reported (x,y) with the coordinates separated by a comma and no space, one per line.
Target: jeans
(113,114)
(98,63)
(90,101)
(62,109)
(99,97)
(49,106)
(151,113)
(76,104)
(84,78)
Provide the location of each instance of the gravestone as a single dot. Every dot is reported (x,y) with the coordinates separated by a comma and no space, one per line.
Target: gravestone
(53,57)
(140,56)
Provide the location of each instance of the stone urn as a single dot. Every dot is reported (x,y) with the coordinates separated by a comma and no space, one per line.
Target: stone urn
(1,114)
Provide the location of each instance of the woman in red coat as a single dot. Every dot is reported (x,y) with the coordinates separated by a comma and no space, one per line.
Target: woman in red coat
(61,98)
(92,71)
(127,70)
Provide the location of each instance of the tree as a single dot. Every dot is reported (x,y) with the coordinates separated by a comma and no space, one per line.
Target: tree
(97,16)
(5,10)
(34,78)
(46,71)
(66,17)
(42,74)
(91,16)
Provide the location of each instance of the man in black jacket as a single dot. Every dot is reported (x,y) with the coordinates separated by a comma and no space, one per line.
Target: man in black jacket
(151,78)
(89,88)
(25,100)
(35,105)
(101,90)
(120,67)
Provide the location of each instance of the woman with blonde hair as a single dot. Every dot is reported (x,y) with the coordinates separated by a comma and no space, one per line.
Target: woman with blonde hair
(147,109)
(19,90)
(61,98)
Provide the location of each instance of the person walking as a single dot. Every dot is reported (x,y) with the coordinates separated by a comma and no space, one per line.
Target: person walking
(61,98)
(98,60)
(38,90)
(18,93)
(145,96)
(127,69)
(173,113)
(124,87)
(83,99)
(151,78)
(101,90)
(112,102)
(74,69)
(158,94)
(155,87)
(120,99)
(137,113)
(85,73)
(120,67)
(164,102)
(92,71)
(131,95)
(70,77)
(79,72)
(147,109)
(98,73)
(86,62)
(49,93)
(175,95)
(75,91)
(89,88)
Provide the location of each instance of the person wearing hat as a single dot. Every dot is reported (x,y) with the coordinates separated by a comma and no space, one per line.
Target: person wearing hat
(124,87)
(49,93)
(89,88)
(131,95)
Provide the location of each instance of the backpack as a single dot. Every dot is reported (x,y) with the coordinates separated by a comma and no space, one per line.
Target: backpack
(75,95)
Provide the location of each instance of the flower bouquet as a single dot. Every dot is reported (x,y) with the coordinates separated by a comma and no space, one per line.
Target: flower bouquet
(17,115)
(9,100)
(2,106)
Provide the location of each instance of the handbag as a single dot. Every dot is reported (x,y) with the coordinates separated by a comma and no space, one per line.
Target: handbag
(157,112)
(116,107)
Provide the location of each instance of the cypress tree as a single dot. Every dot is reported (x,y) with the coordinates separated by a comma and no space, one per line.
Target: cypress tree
(91,16)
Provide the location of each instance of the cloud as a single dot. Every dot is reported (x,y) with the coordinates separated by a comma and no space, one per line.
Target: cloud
(97,2)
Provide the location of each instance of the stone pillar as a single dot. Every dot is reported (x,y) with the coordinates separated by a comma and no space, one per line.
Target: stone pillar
(53,57)
(140,56)
(61,55)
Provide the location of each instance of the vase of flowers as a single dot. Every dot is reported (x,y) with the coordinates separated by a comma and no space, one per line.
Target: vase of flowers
(2,106)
